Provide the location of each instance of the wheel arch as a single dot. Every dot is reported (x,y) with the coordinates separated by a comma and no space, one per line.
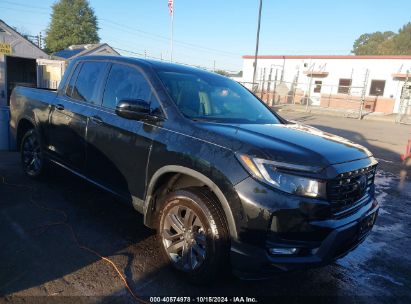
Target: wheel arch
(23,126)
(171,174)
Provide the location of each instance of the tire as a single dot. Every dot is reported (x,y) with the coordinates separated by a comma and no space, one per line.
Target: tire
(193,233)
(32,156)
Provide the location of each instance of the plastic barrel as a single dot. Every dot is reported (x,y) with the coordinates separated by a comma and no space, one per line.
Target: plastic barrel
(4,127)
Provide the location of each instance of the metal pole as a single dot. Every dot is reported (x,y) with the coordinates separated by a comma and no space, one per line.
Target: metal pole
(402,110)
(262,85)
(172,33)
(309,85)
(309,93)
(259,81)
(275,86)
(257,41)
(269,85)
(295,85)
(363,94)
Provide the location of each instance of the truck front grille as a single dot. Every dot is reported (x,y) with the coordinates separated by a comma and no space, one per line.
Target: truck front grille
(346,191)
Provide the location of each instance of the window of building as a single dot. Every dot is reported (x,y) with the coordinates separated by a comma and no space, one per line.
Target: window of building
(126,82)
(317,87)
(88,82)
(377,87)
(344,86)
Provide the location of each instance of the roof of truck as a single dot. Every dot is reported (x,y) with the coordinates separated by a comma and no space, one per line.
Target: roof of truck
(155,64)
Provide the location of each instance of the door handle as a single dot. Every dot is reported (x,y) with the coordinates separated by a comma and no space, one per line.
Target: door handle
(96,119)
(59,107)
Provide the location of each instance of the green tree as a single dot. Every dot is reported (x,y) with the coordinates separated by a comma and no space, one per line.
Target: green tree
(384,43)
(373,44)
(402,41)
(72,22)
(222,72)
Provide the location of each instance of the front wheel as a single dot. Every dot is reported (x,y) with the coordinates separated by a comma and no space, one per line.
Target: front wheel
(193,233)
(32,156)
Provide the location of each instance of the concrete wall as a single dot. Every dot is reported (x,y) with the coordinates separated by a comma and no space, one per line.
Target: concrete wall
(335,68)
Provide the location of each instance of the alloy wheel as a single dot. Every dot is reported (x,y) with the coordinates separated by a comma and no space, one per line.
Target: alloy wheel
(31,155)
(184,238)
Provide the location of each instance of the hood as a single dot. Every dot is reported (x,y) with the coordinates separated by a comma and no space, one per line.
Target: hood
(291,143)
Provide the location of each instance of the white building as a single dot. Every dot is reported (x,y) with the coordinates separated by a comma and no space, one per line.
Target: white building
(332,81)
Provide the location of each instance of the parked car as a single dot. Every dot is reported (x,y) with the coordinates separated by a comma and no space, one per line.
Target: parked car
(219,174)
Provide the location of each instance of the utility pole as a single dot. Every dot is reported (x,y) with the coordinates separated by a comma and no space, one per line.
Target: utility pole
(171,11)
(257,41)
(40,41)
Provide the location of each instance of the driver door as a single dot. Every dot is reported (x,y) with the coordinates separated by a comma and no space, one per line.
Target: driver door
(117,150)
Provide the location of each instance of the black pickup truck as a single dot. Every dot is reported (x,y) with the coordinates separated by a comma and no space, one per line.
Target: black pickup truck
(220,175)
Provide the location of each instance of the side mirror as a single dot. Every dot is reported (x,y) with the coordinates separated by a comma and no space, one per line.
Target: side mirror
(133,109)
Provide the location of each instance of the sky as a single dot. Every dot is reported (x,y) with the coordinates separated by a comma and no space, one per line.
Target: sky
(216,33)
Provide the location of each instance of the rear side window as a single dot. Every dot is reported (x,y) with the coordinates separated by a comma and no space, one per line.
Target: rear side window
(125,82)
(88,82)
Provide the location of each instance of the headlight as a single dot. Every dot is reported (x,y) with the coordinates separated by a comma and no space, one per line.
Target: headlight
(267,171)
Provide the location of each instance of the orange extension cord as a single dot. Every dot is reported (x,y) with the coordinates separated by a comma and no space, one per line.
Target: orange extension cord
(65,223)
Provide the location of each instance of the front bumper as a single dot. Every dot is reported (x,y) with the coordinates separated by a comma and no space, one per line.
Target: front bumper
(290,222)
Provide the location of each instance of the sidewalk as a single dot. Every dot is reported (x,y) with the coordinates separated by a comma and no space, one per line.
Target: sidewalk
(348,113)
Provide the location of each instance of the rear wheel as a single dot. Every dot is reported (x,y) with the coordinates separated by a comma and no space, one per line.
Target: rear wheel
(193,233)
(32,157)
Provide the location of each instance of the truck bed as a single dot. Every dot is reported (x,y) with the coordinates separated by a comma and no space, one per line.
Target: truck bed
(28,102)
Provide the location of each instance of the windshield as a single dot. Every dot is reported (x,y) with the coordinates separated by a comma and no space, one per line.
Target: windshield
(207,97)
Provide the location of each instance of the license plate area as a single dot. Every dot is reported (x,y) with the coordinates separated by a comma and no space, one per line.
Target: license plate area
(365,224)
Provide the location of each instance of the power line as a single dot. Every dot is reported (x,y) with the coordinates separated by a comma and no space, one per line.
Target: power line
(167,38)
(133,29)
(26,5)
(145,55)
(163,37)
(24,10)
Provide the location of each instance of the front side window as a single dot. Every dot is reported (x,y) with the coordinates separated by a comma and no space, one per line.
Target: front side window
(88,80)
(125,82)
(208,97)
(377,87)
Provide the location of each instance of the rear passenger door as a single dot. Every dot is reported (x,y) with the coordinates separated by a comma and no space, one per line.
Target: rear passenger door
(69,116)
(117,151)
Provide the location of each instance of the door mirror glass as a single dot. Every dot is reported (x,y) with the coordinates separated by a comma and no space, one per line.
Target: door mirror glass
(133,109)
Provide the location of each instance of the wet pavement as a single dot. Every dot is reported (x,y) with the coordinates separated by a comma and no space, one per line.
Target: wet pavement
(53,232)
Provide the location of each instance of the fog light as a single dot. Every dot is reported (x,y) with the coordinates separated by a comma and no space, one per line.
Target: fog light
(283,251)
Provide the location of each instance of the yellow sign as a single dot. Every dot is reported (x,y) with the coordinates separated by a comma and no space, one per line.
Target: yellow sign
(5,48)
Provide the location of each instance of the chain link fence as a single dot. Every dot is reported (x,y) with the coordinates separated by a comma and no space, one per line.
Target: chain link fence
(404,113)
(348,100)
